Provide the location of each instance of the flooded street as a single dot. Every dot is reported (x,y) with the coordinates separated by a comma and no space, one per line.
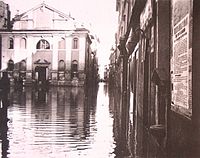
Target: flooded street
(72,122)
(59,122)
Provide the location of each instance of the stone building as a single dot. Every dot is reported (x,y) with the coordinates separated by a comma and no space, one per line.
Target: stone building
(158,64)
(4,22)
(4,16)
(46,46)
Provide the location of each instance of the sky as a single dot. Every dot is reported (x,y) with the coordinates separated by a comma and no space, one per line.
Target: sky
(101,15)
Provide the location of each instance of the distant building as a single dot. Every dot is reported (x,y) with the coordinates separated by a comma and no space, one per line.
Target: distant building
(46,46)
(4,22)
(4,16)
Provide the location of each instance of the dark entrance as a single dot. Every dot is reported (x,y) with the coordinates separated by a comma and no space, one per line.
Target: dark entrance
(41,74)
(74,69)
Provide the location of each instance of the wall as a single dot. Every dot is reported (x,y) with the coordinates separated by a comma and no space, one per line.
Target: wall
(4,15)
(196,78)
(180,108)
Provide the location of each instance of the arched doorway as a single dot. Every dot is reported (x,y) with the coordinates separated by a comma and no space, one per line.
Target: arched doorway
(74,68)
(61,70)
(22,68)
(10,65)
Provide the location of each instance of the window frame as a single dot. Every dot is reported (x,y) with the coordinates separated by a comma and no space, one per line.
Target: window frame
(24,44)
(43,44)
(75,43)
(11,43)
(61,65)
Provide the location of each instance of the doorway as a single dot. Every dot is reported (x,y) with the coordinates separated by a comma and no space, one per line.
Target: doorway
(74,68)
(41,74)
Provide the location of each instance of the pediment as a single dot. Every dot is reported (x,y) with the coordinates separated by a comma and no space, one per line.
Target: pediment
(44,17)
(44,8)
(42,62)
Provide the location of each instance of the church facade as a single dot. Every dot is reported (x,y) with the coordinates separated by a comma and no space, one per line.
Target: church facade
(46,46)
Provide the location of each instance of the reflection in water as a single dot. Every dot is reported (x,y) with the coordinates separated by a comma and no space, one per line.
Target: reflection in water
(120,133)
(133,141)
(59,122)
(41,96)
(71,122)
(4,103)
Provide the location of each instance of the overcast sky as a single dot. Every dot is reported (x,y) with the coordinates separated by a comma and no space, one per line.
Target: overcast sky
(101,14)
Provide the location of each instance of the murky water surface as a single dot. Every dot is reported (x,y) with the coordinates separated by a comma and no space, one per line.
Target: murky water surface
(59,122)
(70,122)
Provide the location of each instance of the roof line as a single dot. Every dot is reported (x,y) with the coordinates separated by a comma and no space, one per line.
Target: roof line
(48,7)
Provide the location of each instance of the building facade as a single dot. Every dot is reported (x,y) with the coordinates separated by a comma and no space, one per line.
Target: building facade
(46,46)
(4,22)
(4,16)
(157,63)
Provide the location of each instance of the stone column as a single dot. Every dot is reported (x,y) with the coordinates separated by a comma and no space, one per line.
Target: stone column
(68,57)
(29,62)
(55,60)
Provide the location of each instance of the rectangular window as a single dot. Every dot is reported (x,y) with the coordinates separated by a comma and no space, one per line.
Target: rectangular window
(11,43)
(75,43)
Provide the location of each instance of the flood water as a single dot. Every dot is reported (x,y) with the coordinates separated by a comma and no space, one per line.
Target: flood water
(68,122)
(59,122)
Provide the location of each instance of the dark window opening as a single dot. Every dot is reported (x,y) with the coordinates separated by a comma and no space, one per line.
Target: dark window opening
(10,65)
(22,65)
(11,43)
(74,69)
(43,44)
(75,43)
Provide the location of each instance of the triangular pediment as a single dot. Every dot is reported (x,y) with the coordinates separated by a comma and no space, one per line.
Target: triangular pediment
(41,8)
(42,62)
(43,17)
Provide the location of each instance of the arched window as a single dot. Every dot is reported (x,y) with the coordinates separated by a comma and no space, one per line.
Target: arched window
(22,65)
(10,65)
(61,65)
(43,44)
(11,43)
(75,43)
(61,44)
(23,43)
(75,65)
